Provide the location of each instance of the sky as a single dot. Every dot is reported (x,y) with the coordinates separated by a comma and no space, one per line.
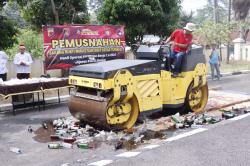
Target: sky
(188,5)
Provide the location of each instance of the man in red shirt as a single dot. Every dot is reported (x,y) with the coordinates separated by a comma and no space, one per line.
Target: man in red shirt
(182,40)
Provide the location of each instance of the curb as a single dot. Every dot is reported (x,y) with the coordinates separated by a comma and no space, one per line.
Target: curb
(231,73)
(228,105)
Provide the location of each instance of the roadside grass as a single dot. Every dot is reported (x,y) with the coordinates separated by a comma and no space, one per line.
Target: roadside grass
(233,66)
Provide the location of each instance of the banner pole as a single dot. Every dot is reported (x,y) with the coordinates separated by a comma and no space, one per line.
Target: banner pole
(44,68)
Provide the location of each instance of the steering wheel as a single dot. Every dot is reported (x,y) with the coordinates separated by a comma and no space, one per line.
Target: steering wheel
(165,56)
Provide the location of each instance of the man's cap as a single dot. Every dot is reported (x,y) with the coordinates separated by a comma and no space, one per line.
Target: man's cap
(190,27)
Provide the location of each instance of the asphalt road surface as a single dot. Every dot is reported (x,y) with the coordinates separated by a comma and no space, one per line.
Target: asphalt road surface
(226,143)
(236,83)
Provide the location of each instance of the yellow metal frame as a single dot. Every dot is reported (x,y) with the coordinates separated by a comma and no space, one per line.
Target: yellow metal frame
(143,92)
(89,82)
(151,91)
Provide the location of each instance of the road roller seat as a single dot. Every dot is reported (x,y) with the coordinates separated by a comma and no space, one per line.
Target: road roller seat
(160,53)
(194,56)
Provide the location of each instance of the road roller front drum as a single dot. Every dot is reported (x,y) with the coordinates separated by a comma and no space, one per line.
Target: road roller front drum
(99,113)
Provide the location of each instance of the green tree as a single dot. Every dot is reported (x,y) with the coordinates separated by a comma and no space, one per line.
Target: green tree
(241,9)
(212,33)
(2,3)
(140,17)
(33,43)
(45,12)
(8,30)
(11,11)
(207,12)
(185,18)
(94,7)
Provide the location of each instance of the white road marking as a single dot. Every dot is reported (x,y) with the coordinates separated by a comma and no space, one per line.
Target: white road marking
(151,146)
(240,117)
(133,154)
(101,163)
(128,154)
(199,130)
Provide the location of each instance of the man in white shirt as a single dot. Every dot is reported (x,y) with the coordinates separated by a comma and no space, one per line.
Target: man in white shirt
(3,62)
(23,63)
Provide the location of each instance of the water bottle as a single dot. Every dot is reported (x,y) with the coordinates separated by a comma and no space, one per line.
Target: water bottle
(67,145)
(54,145)
(15,150)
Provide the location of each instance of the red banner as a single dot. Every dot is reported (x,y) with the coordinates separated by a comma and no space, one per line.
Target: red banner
(69,45)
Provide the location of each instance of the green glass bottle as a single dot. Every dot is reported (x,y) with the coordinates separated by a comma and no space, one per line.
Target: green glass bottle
(82,145)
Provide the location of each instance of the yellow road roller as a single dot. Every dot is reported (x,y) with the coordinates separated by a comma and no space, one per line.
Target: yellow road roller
(112,94)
